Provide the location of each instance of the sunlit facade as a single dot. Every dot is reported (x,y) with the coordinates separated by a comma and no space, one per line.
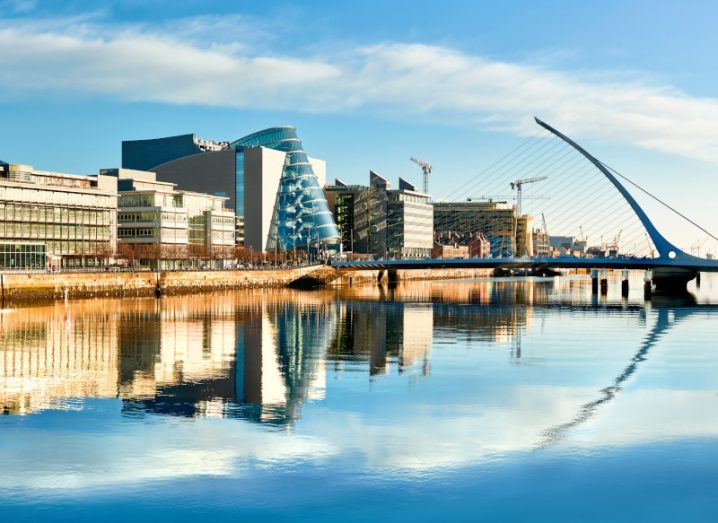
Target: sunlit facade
(162,226)
(55,219)
(301,216)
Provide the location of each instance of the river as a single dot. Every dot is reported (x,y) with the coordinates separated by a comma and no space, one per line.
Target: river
(486,400)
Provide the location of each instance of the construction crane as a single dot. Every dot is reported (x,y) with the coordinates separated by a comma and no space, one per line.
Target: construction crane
(518,187)
(489,199)
(426,169)
(502,199)
(613,248)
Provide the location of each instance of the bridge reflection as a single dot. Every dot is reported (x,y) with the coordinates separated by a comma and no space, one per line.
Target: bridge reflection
(260,356)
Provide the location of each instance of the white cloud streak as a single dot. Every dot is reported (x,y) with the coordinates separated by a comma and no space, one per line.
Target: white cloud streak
(137,63)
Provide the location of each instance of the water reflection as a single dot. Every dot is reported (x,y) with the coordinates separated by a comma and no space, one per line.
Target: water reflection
(429,395)
(253,356)
(260,356)
(382,333)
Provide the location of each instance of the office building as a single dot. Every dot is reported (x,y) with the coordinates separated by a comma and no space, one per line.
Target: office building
(274,187)
(161,226)
(497,221)
(341,198)
(50,219)
(567,245)
(385,222)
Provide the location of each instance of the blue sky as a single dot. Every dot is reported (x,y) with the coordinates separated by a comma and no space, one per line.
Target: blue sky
(370,83)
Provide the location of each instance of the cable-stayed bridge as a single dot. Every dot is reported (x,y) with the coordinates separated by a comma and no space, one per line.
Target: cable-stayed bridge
(581,198)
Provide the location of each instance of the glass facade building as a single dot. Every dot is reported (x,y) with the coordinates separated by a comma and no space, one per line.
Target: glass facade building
(497,221)
(301,216)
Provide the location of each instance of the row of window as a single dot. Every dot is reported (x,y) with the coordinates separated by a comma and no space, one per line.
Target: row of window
(223,221)
(54,197)
(136,200)
(52,214)
(60,181)
(145,216)
(137,232)
(19,256)
(57,232)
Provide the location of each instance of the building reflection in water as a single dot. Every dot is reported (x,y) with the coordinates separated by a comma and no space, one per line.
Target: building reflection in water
(382,333)
(259,360)
(256,355)
(49,356)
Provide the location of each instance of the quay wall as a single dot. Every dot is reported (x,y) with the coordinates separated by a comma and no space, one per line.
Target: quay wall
(42,287)
(329,276)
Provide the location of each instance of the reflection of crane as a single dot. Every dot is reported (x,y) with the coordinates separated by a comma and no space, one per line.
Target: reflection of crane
(426,169)
(518,185)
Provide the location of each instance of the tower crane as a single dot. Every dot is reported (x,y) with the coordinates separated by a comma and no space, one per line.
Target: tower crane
(502,199)
(426,169)
(518,187)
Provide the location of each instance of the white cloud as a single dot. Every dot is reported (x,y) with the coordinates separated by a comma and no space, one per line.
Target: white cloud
(181,63)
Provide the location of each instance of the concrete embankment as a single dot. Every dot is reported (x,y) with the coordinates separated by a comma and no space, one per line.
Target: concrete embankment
(328,276)
(41,287)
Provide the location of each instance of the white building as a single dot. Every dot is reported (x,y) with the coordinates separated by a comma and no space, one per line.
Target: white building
(53,219)
(161,226)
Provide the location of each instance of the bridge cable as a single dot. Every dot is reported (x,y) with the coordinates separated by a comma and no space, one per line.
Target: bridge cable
(661,201)
(497,162)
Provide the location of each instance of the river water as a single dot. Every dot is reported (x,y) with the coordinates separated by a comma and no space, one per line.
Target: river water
(491,400)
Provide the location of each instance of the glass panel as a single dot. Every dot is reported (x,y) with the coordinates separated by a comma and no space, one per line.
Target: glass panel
(301,216)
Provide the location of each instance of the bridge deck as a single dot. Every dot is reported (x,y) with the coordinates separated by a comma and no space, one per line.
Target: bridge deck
(561,262)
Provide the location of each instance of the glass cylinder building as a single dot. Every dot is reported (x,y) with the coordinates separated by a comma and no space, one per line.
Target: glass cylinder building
(270,181)
(301,216)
